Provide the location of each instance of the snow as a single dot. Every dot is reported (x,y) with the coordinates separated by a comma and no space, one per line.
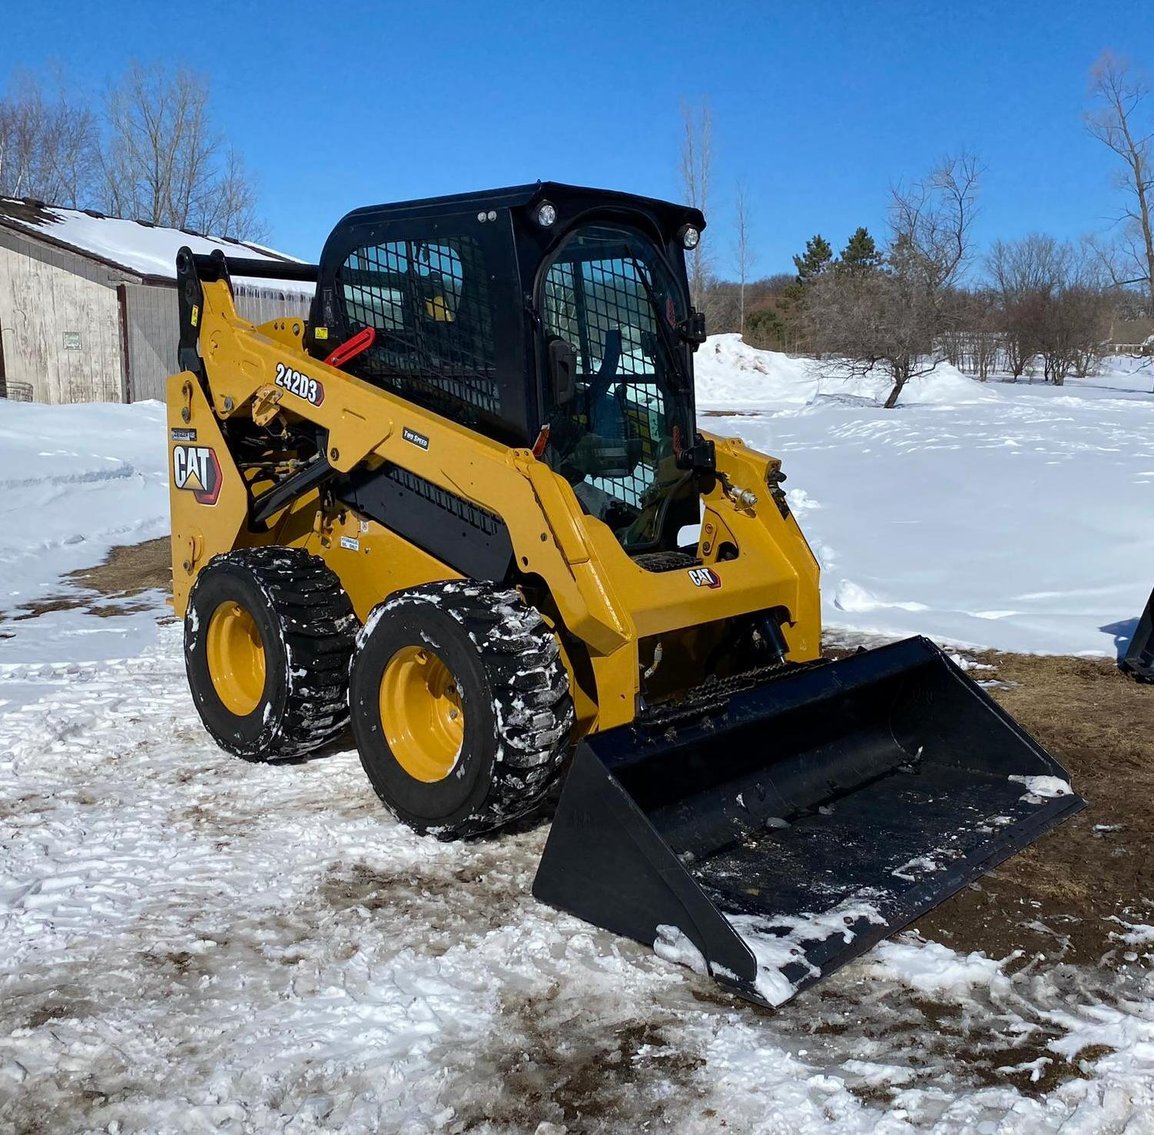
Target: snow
(779,942)
(1044,787)
(144,249)
(673,945)
(930,967)
(985,515)
(1136,933)
(192,942)
(74,482)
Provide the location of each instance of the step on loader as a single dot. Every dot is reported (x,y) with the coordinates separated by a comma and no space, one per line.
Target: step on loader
(464,508)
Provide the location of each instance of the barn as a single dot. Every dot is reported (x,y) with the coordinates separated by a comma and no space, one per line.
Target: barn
(88,308)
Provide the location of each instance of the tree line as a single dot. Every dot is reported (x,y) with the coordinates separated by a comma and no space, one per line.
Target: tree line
(148,149)
(923,293)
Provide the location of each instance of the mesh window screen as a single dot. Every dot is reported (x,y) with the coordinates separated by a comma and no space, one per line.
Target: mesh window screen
(595,299)
(430,306)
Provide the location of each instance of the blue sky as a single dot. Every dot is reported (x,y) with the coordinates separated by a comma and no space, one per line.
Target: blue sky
(819,107)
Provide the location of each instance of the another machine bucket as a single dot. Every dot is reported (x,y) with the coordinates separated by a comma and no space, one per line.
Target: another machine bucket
(1139,657)
(819,813)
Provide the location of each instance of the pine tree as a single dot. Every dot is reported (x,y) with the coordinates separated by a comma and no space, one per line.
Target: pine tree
(860,257)
(816,259)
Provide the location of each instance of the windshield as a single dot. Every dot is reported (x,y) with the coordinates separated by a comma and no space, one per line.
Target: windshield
(610,296)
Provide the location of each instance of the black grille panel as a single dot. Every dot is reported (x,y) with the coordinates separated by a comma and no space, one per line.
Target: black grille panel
(455,506)
(429,304)
(468,539)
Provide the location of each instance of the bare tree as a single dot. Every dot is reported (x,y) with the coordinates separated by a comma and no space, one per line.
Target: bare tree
(233,207)
(164,161)
(1027,274)
(1119,92)
(894,321)
(930,223)
(1076,326)
(696,169)
(974,341)
(742,255)
(48,146)
(1054,302)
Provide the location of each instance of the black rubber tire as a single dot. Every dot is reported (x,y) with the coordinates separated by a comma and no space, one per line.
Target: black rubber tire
(307,627)
(514,694)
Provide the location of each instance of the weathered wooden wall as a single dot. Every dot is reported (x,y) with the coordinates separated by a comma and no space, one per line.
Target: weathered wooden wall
(47,294)
(153,331)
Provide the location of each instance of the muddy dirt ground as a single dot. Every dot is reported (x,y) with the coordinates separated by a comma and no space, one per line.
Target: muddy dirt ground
(1060,896)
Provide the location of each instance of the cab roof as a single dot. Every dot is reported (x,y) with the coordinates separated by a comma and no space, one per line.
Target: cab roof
(567,198)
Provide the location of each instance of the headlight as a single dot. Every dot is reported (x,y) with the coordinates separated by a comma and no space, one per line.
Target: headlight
(546,214)
(689,236)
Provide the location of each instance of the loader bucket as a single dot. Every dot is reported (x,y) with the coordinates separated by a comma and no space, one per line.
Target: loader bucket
(812,817)
(1139,657)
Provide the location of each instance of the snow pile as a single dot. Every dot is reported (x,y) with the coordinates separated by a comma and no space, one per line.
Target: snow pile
(730,373)
(673,945)
(1011,516)
(930,967)
(1043,787)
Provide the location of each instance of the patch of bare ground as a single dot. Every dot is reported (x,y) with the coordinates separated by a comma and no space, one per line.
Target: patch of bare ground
(444,901)
(111,587)
(562,1062)
(129,570)
(1061,896)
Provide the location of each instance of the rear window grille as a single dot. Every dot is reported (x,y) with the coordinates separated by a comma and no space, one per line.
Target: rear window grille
(429,303)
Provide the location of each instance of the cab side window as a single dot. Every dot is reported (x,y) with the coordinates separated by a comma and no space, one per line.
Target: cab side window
(430,306)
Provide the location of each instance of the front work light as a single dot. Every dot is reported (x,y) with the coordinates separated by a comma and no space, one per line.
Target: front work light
(689,236)
(546,214)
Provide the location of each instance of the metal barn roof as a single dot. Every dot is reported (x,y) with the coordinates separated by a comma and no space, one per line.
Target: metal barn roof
(135,247)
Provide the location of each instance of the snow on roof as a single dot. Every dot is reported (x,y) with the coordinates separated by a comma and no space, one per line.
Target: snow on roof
(134,246)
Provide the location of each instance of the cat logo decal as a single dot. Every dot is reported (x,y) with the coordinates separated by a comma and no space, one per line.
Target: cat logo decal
(195,468)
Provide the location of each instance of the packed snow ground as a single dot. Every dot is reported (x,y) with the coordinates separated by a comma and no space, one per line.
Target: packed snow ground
(192,943)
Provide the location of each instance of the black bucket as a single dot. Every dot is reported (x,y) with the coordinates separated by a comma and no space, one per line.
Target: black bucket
(817,814)
(1139,658)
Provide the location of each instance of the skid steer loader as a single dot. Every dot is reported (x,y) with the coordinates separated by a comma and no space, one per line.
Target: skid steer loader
(465,508)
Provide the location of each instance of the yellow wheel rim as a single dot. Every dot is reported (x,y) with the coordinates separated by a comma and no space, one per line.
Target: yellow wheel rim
(421,714)
(235,658)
